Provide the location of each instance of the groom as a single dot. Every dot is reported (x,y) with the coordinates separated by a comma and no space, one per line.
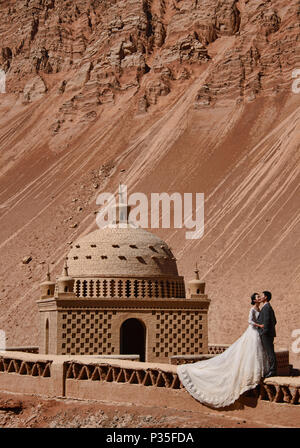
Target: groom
(267,333)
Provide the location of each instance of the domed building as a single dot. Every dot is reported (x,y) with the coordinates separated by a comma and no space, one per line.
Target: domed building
(120,293)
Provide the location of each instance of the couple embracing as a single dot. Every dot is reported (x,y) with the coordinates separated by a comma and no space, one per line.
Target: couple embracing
(219,381)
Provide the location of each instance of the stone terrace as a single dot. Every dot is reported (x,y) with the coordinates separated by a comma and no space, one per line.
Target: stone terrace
(127,381)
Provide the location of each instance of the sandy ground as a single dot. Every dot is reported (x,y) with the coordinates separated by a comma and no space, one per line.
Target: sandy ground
(26,411)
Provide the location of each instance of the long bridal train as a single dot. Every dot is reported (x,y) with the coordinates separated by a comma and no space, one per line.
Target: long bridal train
(220,381)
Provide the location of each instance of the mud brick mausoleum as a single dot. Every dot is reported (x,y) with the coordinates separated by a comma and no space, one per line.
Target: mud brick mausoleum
(117,322)
(120,293)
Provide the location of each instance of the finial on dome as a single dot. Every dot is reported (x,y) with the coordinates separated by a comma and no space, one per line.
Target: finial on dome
(197,272)
(122,175)
(122,208)
(47,287)
(48,274)
(65,282)
(196,286)
(121,194)
(66,268)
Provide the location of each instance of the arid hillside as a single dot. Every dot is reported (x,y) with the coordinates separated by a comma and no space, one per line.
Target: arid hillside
(185,96)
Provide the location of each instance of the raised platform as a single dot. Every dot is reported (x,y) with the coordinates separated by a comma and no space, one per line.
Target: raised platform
(86,377)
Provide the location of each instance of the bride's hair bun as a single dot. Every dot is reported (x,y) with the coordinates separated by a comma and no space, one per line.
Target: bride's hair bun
(253,297)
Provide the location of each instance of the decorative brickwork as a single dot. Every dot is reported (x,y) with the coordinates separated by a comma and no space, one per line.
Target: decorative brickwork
(120,293)
(283,366)
(189,359)
(21,367)
(178,333)
(129,288)
(279,390)
(168,327)
(215,349)
(272,390)
(86,332)
(89,375)
(144,377)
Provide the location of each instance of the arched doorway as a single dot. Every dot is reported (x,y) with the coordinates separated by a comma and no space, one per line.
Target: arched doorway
(133,338)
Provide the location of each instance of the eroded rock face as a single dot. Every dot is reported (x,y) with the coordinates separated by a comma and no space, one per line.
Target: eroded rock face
(80,78)
(34,89)
(104,48)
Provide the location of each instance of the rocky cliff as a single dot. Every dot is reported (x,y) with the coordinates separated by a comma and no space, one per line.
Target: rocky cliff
(187,96)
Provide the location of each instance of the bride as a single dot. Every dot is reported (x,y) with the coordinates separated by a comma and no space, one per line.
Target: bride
(219,381)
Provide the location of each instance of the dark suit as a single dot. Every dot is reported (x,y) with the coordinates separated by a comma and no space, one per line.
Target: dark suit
(267,334)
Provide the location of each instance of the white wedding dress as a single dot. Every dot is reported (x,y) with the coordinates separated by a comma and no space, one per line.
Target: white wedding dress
(219,381)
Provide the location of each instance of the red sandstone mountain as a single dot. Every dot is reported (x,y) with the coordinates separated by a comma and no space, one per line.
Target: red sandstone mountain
(187,96)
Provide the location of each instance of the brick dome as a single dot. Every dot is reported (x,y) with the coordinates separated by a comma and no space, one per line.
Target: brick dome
(124,261)
(121,251)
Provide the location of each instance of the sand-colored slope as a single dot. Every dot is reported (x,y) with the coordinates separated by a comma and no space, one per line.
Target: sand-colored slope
(239,148)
